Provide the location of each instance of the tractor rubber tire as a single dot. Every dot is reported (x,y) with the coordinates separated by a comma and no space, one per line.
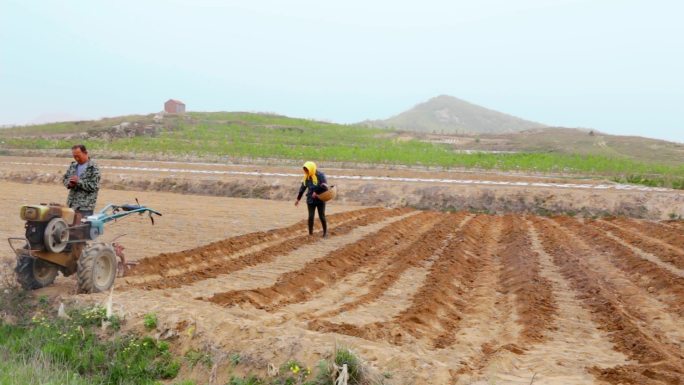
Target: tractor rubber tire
(96,268)
(33,273)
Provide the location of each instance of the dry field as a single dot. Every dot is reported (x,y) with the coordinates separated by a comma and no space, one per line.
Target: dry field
(428,297)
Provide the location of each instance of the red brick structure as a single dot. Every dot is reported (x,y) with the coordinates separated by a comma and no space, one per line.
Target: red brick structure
(173,106)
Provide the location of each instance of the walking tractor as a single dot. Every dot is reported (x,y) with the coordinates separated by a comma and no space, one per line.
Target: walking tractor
(58,239)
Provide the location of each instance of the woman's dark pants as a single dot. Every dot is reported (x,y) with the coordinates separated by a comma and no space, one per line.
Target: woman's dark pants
(321,215)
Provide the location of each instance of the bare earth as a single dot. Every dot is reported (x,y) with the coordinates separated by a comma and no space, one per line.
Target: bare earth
(430,297)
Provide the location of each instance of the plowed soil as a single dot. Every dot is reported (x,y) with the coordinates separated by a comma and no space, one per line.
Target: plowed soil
(427,297)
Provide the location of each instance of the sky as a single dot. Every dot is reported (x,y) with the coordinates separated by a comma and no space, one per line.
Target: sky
(616,66)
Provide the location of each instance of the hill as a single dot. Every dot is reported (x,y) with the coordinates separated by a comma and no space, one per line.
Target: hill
(449,115)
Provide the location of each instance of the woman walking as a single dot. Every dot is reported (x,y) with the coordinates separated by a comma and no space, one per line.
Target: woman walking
(316,183)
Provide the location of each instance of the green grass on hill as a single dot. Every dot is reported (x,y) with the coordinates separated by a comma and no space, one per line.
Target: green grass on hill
(271,136)
(72,127)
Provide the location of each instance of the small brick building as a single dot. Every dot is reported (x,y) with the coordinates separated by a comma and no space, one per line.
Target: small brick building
(173,106)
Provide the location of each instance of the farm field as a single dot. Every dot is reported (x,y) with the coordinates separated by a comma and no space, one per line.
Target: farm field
(254,136)
(425,297)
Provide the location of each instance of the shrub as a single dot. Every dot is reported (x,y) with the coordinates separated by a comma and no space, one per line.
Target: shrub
(150,321)
(345,356)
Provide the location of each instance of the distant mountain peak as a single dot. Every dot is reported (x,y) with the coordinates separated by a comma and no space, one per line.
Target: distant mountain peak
(448,114)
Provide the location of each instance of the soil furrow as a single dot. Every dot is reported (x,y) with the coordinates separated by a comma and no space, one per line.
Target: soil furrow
(658,361)
(664,285)
(267,274)
(490,323)
(429,245)
(659,231)
(529,293)
(438,305)
(267,254)
(572,346)
(644,307)
(163,263)
(535,304)
(662,251)
(300,285)
(677,225)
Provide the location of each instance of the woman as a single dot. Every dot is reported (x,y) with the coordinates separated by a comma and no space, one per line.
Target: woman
(316,183)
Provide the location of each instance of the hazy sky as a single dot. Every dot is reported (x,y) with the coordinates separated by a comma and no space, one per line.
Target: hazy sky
(613,65)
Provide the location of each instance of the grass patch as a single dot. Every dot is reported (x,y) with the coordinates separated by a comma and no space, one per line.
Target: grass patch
(235,359)
(196,357)
(36,370)
(78,345)
(652,180)
(150,321)
(249,380)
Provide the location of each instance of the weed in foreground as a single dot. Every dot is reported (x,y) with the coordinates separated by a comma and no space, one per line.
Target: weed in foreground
(235,359)
(344,356)
(150,321)
(294,372)
(250,380)
(195,357)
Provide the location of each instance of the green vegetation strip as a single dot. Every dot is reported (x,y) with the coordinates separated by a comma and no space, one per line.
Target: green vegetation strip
(76,351)
(269,136)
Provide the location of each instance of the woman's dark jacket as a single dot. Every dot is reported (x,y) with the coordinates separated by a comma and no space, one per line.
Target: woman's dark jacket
(317,188)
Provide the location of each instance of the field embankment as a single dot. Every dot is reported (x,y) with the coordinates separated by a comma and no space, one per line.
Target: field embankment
(439,190)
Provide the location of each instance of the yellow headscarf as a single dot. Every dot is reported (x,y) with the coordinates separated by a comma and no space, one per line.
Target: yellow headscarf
(311,166)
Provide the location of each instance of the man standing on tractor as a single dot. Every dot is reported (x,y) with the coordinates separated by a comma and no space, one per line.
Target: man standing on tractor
(82,179)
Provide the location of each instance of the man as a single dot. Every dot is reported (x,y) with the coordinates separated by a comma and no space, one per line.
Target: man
(82,178)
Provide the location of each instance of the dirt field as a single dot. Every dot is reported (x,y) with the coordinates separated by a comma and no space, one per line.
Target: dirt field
(425,297)
(440,298)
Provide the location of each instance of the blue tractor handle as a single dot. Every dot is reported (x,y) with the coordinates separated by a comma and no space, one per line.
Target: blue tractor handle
(113,212)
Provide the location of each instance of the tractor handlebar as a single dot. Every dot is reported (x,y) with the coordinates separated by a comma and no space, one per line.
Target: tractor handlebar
(113,212)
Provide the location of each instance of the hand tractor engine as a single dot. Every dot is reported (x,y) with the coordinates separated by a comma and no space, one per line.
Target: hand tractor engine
(57,240)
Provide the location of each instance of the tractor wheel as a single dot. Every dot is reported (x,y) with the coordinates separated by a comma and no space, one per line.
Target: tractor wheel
(33,273)
(96,268)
